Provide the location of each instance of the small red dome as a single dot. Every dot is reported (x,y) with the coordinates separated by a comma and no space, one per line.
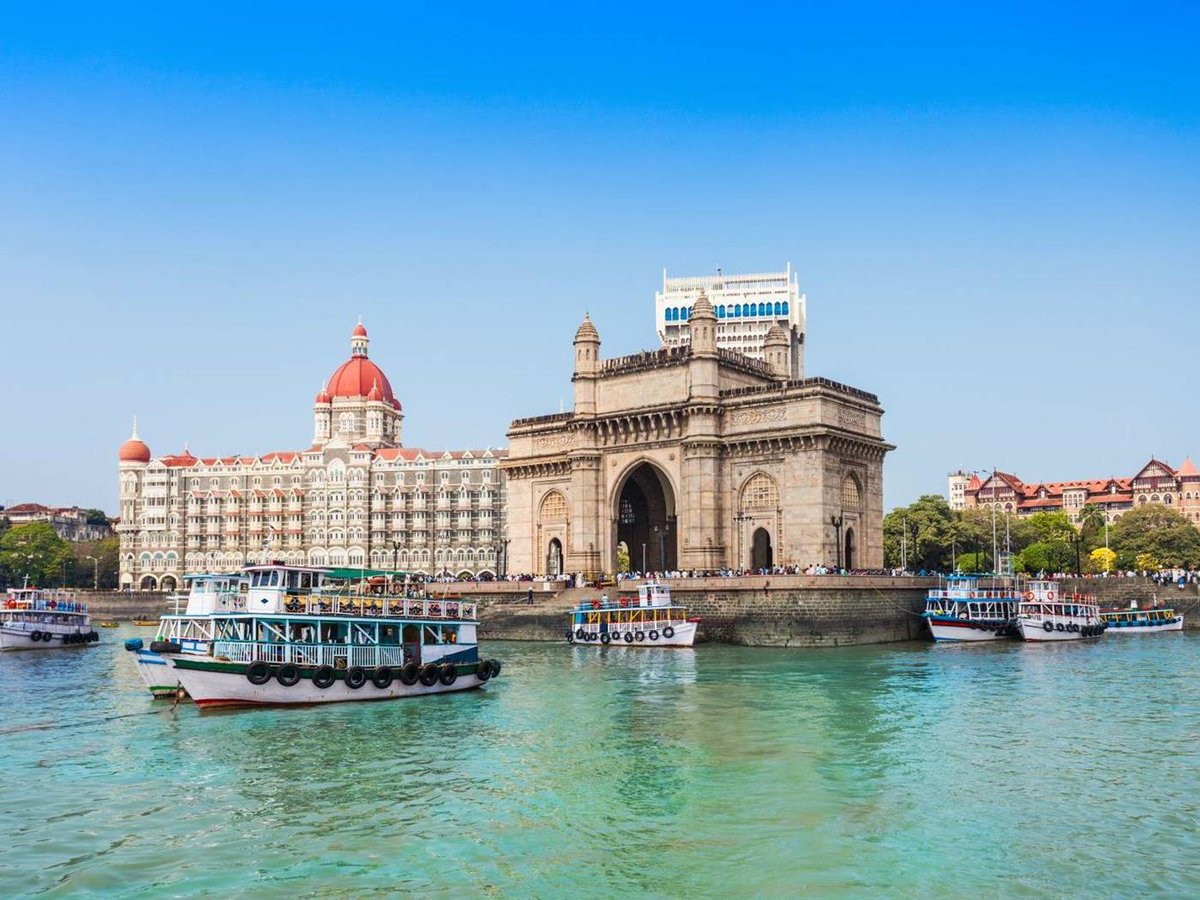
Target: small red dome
(323,397)
(396,405)
(359,330)
(375,393)
(133,450)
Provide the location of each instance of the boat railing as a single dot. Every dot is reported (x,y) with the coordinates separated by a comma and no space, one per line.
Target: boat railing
(52,605)
(338,655)
(385,607)
(963,594)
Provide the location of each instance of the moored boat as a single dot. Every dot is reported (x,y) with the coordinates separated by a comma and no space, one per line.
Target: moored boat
(650,620)
(1045,615)
(37,619)
(1142,621)
(301,640)
(960,611)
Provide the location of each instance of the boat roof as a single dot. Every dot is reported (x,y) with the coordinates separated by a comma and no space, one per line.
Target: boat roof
(290,568)
(214,576)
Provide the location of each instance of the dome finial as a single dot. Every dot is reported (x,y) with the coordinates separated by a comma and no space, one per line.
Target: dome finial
(134,435)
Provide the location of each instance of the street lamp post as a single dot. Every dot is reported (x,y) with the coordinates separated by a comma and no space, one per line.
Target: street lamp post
(740,521)
(96,573)
(836,522)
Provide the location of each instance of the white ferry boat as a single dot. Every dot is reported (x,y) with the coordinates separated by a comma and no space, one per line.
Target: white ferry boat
(190,630)
(303,639)
(37,619)
(1142,621)
(960,611)
(651,620)
(1046,615)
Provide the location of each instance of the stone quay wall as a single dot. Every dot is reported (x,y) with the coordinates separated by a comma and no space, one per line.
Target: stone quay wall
(758,611)
(121,606)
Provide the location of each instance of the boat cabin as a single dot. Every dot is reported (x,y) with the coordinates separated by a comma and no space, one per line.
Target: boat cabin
(215,593)
(270,585)
(652,593)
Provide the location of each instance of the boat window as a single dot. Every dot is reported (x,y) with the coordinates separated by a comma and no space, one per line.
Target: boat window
(450,634)
(431,635)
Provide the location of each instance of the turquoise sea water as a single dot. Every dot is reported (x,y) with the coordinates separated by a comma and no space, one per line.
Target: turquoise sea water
(907,770)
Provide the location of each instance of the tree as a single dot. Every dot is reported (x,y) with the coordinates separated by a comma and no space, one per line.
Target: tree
(1145,562)
(929,534)
(622,557)
(96,517)
(1102,559)
(1158,531)
(34,550)
(101,568)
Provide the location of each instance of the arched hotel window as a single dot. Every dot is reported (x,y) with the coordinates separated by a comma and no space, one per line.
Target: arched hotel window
(779,309)
(721,311)
(737,309)
(785,308)
(684,314)
(762,309)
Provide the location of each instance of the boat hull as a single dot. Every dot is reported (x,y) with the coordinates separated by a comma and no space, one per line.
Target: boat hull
(1036,633)
(214,685)
(946,630)
(156,672)
(18,639)
(1148,628)
(684,636)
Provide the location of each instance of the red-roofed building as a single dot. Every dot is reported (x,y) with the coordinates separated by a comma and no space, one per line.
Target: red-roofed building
(70,522)
(1155,483)
(356,497)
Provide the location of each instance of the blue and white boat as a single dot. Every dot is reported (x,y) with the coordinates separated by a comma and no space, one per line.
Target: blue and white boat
(961,611)
(1142,621)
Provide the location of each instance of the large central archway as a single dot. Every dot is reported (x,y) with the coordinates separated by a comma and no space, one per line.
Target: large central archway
(645,520)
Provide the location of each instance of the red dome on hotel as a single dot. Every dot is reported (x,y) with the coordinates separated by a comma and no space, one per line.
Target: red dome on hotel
(358,375)
(134,450)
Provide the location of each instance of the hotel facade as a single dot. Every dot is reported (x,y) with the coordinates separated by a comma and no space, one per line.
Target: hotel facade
(356,497)
(1155,483)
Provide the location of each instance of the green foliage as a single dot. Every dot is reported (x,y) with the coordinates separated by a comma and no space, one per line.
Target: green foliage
(1162,534)
(105,563)
(973,562)
(1145,562)
(930,532)
(96,517)
(35,550)
(1046,556)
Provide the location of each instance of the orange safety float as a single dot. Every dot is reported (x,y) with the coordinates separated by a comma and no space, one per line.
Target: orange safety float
(1029,595)
(1049,595)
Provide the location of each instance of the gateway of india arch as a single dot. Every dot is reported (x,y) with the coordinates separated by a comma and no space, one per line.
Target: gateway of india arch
(697,457)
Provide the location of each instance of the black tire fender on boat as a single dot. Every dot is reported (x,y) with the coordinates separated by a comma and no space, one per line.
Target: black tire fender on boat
(430,674)
(258,672)
(94,636)
(35,636)
(639,636)
(165,647)
(629,637)
(381,677)
(288,674)
(449,674)
(356,677)
(1058,626)
(410,672)
(324,677)
(495,665)
(483,671)
(653,635)
(1048,626)
(580,634)
(605,638)
(668,632)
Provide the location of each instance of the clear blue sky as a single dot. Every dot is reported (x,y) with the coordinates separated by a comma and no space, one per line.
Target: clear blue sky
(993,211)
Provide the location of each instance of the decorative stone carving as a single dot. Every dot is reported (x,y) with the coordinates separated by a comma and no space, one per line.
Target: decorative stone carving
(852,418)
(758,416)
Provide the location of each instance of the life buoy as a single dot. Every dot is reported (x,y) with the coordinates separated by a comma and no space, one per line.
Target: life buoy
(1049,595)
(54,604)
(356,677)
(483,671)
(639,636)
(288,674)
(410,672)
(324,677)
(653,635)
(11,604)
(624,602)
(258,672)
(94,636)
(381,677)
(668,632)
(449,674)
(430,674)
(1048,626)
(1029,595)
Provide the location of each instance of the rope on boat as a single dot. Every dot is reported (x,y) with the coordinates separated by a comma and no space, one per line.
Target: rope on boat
(893,603)
(77,723)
